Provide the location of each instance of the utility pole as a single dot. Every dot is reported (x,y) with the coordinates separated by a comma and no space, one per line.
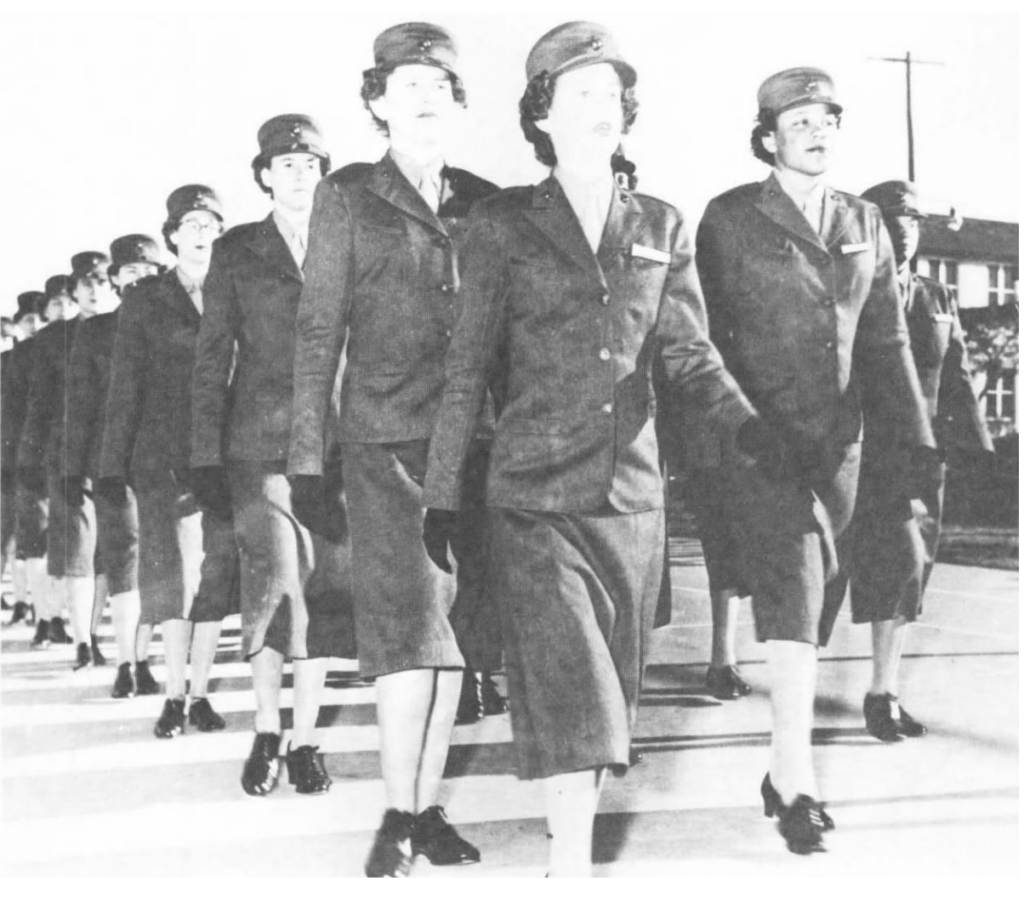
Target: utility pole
(909,62)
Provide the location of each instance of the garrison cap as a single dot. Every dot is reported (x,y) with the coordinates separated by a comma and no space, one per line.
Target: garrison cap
(575,45)
(290,133)
(797,87)
(193,197)
(32,302)
(59,283)
(134,248)
(895,198)
(415,43)
(88,262)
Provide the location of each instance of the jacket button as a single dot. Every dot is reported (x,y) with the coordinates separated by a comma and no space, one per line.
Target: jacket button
(604,354)
(605,299)
(445,288)
(830,344)
(607,408)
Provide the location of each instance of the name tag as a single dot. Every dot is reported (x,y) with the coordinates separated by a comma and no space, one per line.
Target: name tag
(650,253)
(855,248)
(944,317)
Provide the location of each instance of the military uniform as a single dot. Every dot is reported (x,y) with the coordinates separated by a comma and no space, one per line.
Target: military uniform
(295,585)
(888,553)
(147,437)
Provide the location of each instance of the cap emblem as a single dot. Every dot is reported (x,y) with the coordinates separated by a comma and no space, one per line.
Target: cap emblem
(426,44)
(596,44)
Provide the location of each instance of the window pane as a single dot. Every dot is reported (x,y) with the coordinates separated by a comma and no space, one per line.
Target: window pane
(951,273)
(993,277)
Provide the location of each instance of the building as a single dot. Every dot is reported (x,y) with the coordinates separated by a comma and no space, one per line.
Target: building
(979,262)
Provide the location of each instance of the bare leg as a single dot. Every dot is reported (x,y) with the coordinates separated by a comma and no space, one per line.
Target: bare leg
(448,685)
(267,670)
(124,609)
(887,638)
(404,701)
(308,678)
(205,637)
(143,637)
(792,674)
(725,605)
(19,581)
(177,635)
(570,800)
(45,597)
(80,593)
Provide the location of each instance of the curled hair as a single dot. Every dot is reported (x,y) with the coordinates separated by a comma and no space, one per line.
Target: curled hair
(261,162)
(767,122)
(375,85)
(535,104)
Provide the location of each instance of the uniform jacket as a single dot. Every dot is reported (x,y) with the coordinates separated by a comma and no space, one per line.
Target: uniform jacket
(251,295)
(940,354)
(14,401)
(567,342)
(148,414)
(88,381)
(381,271)
(42,437)
(797,315)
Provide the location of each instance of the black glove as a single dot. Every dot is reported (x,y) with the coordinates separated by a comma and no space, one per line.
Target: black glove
(439,529)
(113,489)
(209,485)
(33,478)
(920,472)
(766,446)
(74,491)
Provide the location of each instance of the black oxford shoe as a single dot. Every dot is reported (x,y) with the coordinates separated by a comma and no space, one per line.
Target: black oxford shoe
(306,771)
(390,856)
(773,805)
(58,633)
(801,824)
(144,682)
(171,721)
(259,775)
(83,657)
(725,683)
(98,657)
(906,724)
(879,719)
(41,639)
(436,839)
(202,716)
(124,686)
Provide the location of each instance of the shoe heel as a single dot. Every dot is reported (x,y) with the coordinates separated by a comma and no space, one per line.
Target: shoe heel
(772,802)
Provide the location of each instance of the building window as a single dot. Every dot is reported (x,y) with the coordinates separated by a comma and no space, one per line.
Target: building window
(1001,284)
(1001,398)
(945,272)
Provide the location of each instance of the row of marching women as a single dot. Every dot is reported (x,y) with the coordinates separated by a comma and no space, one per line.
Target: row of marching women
(414,418)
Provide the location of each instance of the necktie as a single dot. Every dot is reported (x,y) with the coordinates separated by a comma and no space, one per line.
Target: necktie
(430,193)
(195,293)
(299,249)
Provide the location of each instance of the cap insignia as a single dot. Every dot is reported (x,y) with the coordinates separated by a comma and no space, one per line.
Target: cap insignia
(426,44)
(596,44)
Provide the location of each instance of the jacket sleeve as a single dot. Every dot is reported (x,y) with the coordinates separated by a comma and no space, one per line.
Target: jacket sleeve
(215,347)
(127,389)
(960,421)
(84,402)
(39,408)
(13,405)
(886,373)
(472,362)
(321,325)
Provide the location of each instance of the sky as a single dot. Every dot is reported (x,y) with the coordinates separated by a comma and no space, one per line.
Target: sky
(104,110)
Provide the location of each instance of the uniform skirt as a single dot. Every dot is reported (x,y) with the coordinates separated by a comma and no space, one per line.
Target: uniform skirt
(32,521)
(786,534)
(705,496)
(117,536)
(402,599)
(188,567)
(578,596)
(8,522)
(296,587)
(71,534)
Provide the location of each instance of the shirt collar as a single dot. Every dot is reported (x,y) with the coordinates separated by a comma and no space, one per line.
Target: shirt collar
(190,283)
(415,173)
(292,235)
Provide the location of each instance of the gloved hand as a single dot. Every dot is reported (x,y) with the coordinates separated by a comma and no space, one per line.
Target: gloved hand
(766,446)
(33,478)
(209,485)
(74,491)
(920,471)
(439,529)
(113,489)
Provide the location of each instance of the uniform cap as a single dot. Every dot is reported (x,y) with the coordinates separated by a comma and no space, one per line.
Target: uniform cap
(133,248)
(415,43)
(291,133)
(29,303)
(87,262)
(797,87)
(59,283)
(193,197)
(895,198)
(574,45)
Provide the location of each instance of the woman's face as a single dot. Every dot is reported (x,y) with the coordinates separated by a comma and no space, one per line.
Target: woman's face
(585,118)
(194,238)
(418,105)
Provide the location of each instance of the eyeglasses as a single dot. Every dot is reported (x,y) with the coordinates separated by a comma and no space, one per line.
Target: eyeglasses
(198,227)
(809,123)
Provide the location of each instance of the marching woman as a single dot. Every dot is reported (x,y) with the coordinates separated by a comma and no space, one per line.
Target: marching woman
(572,290)
(188,563)
(294,580)
(133,256)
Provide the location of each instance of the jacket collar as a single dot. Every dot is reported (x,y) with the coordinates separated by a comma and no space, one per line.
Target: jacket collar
(268,243)
(391,185)
(176,297)
(551,213)
(774,202)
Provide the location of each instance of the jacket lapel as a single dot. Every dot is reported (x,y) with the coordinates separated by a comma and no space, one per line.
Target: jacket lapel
(176,297)
(776,204)
(625,216)
(838,218)
(553,216)
(269,244)
(391,185)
